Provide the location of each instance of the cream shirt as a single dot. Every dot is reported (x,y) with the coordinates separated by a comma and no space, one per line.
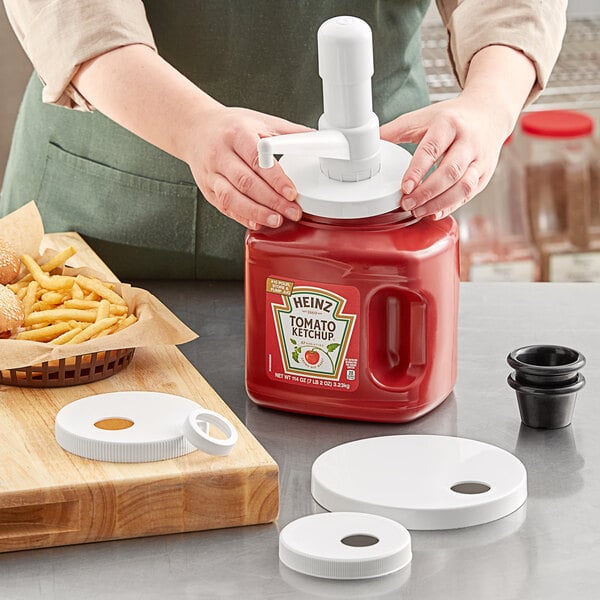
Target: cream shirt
(60,35)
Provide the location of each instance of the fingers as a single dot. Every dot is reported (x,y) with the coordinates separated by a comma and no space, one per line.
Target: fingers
(394,132)
(471,182)
(257,190)
(454,143)
(265,196)
(409,127)
(431,148)
(450,170)
(235,204)
(245,146)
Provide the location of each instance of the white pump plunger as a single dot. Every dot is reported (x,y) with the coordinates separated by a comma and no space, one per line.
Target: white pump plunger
(343,170)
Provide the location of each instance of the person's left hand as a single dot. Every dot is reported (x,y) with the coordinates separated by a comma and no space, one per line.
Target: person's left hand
(464,136)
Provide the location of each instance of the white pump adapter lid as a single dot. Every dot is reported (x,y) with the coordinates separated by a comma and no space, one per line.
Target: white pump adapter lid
(343,170)
(140,426)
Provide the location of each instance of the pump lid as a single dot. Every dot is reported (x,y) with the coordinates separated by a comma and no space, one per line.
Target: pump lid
(343,170)
(557,124)
(321,196)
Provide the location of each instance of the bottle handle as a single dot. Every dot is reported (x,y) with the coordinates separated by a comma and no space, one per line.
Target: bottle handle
(397,338)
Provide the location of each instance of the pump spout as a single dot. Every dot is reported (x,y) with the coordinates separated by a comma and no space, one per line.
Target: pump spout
(325,144)
(347,143)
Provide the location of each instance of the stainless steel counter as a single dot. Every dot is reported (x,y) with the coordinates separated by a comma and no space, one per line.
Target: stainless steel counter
(550,548)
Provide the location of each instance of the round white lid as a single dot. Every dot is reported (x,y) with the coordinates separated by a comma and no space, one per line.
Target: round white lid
(422,481)
(345,545)
(322,196)
(139,426)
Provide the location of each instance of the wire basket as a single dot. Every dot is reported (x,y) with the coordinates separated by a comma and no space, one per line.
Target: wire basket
(75,370)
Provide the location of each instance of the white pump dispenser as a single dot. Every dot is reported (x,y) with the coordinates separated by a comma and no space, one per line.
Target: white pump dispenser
(343,170)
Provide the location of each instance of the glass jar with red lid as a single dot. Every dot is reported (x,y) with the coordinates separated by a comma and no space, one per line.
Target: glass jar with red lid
(558,155)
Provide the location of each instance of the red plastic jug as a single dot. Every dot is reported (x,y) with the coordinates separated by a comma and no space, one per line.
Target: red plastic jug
(352,312)
(353,319)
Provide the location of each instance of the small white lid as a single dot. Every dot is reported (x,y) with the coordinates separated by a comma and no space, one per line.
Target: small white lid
(425,482)
(196,432)
(345,545)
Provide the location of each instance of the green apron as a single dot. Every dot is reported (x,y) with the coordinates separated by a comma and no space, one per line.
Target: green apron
(139,207)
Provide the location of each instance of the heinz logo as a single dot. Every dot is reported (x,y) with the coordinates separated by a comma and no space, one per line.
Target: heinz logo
(310,301)
(313,331)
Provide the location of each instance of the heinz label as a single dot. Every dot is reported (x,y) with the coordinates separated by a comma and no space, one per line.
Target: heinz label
(310,334)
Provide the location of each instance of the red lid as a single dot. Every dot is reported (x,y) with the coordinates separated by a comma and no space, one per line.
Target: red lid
(557,124)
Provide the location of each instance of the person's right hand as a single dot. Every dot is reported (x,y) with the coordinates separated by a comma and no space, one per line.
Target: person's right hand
(223,158)
(135,87)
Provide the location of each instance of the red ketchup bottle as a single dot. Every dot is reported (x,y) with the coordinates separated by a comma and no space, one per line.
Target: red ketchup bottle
(352,312)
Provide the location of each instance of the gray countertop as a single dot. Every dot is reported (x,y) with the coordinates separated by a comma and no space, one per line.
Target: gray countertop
(549,548)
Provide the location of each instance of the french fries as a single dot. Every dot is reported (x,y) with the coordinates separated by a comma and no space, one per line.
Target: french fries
(66,337)
(44,334)
(62,309)
(48,282)
(54,263)
(104,291)
(93,330)
(59,314)
(103,311)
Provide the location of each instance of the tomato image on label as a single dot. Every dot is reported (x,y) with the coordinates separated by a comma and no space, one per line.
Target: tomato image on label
(313,330)
(312,356)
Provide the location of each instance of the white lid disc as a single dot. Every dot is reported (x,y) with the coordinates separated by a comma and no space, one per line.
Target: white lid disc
(422,481)
(344,545)
(324,197)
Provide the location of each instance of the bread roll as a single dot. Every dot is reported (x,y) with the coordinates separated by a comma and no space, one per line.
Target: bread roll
(11,312)
(9,263)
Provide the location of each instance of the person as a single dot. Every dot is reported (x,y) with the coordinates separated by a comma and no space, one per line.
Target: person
(171,99)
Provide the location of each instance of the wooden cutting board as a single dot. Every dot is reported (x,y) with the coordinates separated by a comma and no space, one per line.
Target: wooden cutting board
(49,497)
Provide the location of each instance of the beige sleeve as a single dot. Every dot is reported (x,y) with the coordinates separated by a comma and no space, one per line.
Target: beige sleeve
(60,35)
(534,27)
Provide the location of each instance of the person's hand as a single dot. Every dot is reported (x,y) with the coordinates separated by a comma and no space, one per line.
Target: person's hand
(462,136)
(135,87)
(224,161)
